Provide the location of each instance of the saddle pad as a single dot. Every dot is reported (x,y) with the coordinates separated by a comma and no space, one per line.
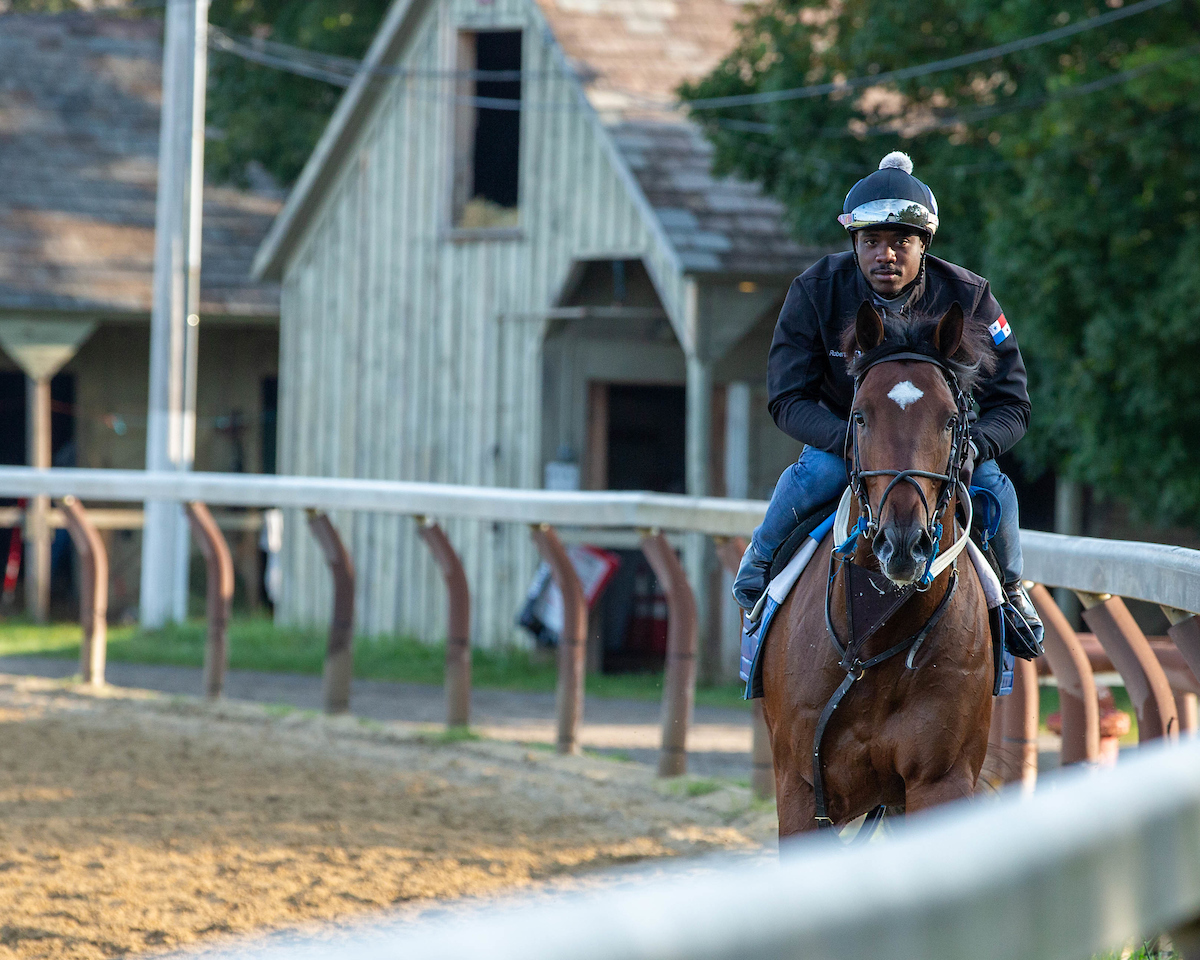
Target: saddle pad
(777,591)
(754,632)
(995,597)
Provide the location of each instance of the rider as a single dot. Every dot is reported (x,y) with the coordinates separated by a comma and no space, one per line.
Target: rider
(891,217)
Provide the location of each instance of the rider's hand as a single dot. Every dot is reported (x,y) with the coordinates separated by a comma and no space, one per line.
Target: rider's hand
(968,467)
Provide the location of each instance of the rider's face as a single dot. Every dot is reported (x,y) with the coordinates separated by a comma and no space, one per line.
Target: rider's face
(890,259)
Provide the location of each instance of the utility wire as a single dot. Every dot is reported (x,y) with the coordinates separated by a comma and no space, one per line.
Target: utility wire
(936,66)
(981,113)
(340,71)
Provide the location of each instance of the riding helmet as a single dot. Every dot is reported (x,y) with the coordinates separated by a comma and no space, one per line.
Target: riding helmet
(891,195)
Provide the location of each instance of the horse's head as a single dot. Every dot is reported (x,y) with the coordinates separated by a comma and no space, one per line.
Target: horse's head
(907,429)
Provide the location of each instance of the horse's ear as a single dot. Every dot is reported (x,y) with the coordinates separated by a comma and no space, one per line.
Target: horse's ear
(950,331)
(868,327)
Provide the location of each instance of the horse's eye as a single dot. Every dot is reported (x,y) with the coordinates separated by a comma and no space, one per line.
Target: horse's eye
(951,424)
(859,418)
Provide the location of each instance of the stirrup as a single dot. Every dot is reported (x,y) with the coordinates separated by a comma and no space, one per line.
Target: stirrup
(1023,629)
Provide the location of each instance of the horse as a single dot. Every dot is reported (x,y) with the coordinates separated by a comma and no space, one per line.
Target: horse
(897,718)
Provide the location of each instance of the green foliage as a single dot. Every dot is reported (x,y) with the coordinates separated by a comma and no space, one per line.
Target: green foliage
(260,114)
(1081,207)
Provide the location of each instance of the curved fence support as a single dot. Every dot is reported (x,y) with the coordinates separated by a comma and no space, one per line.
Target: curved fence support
(679,683)
(458,620)
(572,650)
(218,603)
(1077,698)
(93,591)
(339,654)
(1021,727)
(1130,653)
(762,772)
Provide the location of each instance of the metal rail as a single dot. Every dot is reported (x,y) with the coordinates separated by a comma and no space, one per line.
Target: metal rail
(711,515)
(1100,571)
(1103,858)
(1169,576)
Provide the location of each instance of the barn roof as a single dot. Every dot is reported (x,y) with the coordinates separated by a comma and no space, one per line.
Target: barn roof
(630,57)
(79,122)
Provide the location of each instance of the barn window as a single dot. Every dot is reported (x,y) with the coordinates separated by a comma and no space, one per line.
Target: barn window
(487,130)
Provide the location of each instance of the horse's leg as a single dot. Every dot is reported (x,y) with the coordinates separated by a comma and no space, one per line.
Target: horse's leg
(795,803)
(957,784)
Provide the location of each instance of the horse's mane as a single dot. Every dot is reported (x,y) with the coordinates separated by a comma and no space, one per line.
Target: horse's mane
(972,362)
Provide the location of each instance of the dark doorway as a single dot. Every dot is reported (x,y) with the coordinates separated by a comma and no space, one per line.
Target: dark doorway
(12,418)
(270,418)
(646,427)
(644,450)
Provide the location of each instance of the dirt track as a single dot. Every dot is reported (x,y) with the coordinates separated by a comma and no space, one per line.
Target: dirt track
(132,823)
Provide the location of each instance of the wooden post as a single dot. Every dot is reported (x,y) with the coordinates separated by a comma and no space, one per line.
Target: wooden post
(572,642)
(1076,684)
(679,682)
(37,525)
(762,763)
(762,773)
(995,762)
(458,633)
(339,654)
(1130,653)
(1021,726)
(93,591)
(218,565)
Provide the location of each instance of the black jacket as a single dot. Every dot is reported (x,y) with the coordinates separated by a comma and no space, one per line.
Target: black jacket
(809,391)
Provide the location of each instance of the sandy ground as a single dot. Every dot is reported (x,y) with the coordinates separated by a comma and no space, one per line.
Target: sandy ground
(718,739)
(140,823)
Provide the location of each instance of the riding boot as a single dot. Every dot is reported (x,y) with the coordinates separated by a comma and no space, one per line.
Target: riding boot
(751,579)
(1027,645)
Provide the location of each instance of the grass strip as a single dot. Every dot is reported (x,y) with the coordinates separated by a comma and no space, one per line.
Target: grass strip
(256,643)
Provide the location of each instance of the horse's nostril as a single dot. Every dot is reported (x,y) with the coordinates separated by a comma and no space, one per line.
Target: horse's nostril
(922,546)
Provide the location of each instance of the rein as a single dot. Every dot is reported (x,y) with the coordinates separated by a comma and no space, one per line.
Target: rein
(845,540)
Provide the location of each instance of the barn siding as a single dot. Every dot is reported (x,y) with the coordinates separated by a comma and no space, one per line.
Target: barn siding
(408,355)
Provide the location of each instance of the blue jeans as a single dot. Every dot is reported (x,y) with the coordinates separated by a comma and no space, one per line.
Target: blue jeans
(817,477)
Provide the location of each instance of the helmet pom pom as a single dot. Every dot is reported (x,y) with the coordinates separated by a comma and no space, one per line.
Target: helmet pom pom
(898,160)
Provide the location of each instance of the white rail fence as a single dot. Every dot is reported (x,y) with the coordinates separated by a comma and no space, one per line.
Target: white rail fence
(1100,859)
(1103,856)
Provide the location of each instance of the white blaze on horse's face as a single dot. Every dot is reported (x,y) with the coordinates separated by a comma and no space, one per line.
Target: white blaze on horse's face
(905,392)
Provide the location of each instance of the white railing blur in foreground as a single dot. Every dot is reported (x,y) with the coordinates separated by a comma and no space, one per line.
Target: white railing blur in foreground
(1144,571)
(1076,869)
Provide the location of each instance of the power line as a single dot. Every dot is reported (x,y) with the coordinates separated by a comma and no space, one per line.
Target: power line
(340,71)
(936,66)
(982,113)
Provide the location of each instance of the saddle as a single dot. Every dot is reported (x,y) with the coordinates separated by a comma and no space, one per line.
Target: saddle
(793,555)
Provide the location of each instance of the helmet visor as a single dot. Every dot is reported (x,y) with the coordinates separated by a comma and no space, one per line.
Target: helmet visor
(875,213)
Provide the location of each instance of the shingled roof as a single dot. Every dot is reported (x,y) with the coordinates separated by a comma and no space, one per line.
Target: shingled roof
(631,56)
(79,122)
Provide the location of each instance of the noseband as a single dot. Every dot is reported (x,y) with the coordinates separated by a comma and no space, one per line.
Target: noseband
(868,526)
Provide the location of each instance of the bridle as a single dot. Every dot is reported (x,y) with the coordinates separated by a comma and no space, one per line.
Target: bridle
(869,519)
(850,650)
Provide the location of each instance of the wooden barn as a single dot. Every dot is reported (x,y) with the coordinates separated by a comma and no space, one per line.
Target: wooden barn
(508,263)
(79,123)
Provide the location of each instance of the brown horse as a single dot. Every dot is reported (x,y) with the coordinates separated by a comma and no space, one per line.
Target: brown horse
(902,735)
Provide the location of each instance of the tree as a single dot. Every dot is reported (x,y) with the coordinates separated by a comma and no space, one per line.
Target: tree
(257,114)
(1067,174)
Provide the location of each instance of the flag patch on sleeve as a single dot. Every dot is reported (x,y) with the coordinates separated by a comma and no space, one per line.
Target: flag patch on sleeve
(1000,330)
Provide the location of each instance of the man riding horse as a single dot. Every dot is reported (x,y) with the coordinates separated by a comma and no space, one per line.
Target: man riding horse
(891,217)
